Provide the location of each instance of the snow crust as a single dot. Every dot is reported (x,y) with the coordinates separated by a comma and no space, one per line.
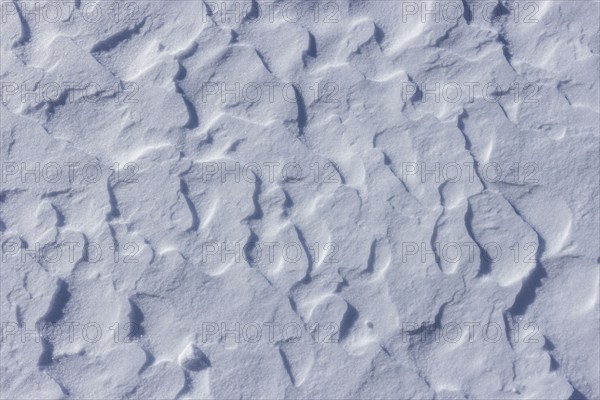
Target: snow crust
(341,200)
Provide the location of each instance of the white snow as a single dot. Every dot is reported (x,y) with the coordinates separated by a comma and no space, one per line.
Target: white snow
(379,199)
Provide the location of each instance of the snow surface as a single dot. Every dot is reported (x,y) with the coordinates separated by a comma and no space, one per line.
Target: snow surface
(341,200)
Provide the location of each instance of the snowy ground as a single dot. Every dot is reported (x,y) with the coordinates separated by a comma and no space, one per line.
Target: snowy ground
(318,200)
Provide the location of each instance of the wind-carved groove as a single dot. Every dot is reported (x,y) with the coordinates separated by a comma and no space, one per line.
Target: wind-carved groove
(52,104)
(301,118)
(60,217)
(59,300)
(428,330)
(150,359)
(379,35)
(505,49)
(508,327)
(348,321)
(257,213)
(115,40)
(293,304)
(85,254)
(527,294)
(187,385)
(63,389)
(253,238)
(460,124)
(576,395)
(336,168)
(263,61)
(250,258)
(287,366)
(372,256)
(445,36)
(193,120)
(59,102)
(25,29)
(433,240)
(549,348)
(467,15)
(417,96)
(288,202)
(185,192)
(19,316)
(388,162)
(114,205)
(499,11)
(311,51)
(234,37)
(343,284)
(485,265)
(136,318)
(209,10)
(309,258)
(55,193)
(253,12)
(54,314)
(113,235)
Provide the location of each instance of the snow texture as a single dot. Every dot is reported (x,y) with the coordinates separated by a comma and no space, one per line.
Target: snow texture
(316,199)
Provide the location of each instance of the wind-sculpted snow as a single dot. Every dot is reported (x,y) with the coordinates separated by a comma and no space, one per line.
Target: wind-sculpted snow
(328,200)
